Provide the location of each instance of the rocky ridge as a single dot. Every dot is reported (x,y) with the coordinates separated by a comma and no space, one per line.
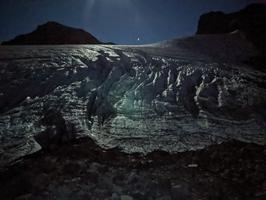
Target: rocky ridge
(251,21)
(53,33)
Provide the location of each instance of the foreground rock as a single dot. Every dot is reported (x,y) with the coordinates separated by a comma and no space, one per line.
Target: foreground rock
(81,170)
(54,33)
(175,96)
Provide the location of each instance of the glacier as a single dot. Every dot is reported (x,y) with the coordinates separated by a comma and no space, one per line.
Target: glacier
(178,95)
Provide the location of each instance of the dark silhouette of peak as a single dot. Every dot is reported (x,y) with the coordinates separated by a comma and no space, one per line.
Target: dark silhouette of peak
(54,33)
(251,21)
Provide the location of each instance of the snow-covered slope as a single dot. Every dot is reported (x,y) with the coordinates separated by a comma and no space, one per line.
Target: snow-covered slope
(174,96)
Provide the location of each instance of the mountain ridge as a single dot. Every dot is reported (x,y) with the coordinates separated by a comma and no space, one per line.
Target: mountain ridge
(250,21)
(54,33)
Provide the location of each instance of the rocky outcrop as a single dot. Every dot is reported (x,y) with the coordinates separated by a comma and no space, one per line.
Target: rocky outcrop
(251,21)
(54,33)
(175,96)
(231,170)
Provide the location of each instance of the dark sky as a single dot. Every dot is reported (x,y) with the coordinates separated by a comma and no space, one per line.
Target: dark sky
(119,21)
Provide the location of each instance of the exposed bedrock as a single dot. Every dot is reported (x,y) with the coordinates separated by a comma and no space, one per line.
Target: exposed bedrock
(124,97)
(250,21)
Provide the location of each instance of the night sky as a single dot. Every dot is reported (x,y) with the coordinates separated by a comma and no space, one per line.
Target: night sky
(118,21)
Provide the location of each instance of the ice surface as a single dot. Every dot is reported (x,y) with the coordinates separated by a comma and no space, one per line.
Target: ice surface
(174,96)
